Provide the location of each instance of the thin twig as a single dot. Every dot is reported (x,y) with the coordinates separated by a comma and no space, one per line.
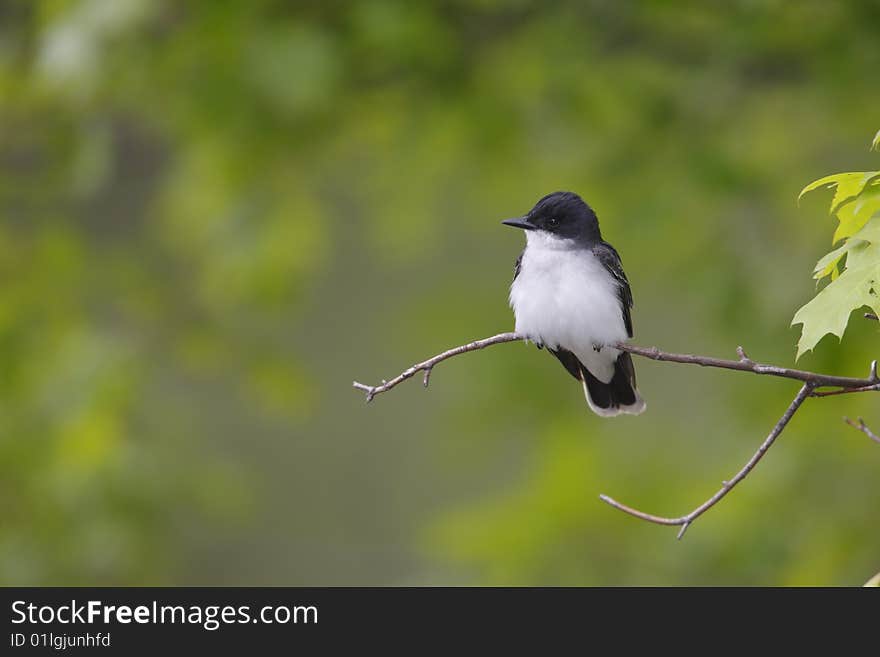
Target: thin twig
(861,426)
(844,391)
(427,365)
(686,520)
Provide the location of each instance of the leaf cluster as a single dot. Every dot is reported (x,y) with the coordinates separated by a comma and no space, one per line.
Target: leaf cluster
(853,266)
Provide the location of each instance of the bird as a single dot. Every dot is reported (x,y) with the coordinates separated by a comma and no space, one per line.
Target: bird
(570,294)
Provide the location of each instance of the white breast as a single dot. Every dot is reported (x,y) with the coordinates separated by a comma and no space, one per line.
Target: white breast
(564,297)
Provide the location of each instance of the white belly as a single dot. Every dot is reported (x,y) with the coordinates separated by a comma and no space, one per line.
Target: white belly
(564,297)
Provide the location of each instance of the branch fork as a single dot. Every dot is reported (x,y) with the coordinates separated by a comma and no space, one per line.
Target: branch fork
(810,384)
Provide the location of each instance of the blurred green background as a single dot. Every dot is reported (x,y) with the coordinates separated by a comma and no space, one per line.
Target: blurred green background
(215,215)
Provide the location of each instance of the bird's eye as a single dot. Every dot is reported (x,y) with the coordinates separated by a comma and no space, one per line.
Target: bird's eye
(553,221)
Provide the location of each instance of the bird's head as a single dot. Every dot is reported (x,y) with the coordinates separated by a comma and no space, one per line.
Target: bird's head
(563,215)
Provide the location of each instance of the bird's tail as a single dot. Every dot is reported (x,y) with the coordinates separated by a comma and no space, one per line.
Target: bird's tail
(619,395)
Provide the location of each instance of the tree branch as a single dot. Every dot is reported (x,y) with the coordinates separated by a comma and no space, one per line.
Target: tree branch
(810,382)
(686,520)
(746,364)
(861,426)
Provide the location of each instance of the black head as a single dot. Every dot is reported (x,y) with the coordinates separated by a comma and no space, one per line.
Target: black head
(563,214)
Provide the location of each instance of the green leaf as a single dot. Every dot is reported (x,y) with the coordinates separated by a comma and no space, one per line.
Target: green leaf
(852,189)
(848,185)
(827,264)
(866,196)
(829,311)
(862,257)
(871,231)
(830,181)
(854,214)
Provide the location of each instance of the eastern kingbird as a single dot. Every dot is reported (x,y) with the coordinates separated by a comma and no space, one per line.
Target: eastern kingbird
(570,294)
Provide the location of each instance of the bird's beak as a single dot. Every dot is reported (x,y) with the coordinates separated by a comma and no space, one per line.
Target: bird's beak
(520,222)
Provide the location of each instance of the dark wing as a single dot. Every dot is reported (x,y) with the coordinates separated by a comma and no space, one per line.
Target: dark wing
(610,259)
(518,265)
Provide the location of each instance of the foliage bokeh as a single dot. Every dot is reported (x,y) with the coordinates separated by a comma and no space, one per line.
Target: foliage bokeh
(214,215)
